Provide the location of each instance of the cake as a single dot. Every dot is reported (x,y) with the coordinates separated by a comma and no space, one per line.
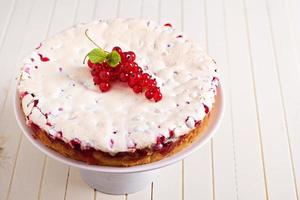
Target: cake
(68,112)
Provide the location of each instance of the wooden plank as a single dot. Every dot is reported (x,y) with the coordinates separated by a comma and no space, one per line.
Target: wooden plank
(197,179)
(37,29)
(150,9)
(248,154)
(10,132)
(64,16)
(6,12)
(106,12)
(54,180)
(287,60)
(75,183)
(124,12)
(27,176)
(111,10)
(10,46)
(144,194)
(38,160)
(168,184)
(130,9)
(280,180)
(292,8)
(78,189)
(84,9)
(102,196)
(11,140)
(171,14)
(69,180)
(197,171)
(136,9)
(224,156)
(197,31)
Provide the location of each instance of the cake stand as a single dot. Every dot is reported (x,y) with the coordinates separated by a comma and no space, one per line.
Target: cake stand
(124,180)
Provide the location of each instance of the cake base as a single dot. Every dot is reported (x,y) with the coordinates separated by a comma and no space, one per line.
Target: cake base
(97,157)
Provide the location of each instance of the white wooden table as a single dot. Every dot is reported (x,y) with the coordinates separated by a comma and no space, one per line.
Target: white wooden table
(256,153)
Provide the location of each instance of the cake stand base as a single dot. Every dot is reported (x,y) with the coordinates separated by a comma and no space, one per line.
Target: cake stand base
(118,183)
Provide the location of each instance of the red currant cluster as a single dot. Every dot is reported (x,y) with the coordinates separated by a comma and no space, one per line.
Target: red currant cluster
(126,71)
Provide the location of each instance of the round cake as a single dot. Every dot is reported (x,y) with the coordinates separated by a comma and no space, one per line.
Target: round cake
(120,127)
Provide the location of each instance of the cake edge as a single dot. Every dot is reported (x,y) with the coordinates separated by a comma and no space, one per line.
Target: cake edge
(98,157)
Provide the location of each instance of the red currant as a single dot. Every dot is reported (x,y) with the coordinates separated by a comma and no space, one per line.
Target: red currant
(43,59)
(96,80)
(114,76)
(126,71)
(171,133)
(104,86)
(168,24)
(152,83)
(117,49)
(157,96)
(106,66)
(149,94)
(206,108)
(145,76)
(90,64)
(137,69)
(137,89)
(144,82)
(104,75)
(129,56)
(97,68)
(124,77)
(94,72)
(134,64)
(134,79)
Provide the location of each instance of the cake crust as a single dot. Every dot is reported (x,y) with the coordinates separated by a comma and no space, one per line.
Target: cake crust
(97,157)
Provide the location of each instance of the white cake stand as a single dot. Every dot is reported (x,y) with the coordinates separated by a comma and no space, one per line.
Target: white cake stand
(124,180)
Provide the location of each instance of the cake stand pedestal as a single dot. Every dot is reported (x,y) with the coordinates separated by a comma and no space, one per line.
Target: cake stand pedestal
(118,183)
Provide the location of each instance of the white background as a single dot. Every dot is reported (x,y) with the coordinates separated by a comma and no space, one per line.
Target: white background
(256,153)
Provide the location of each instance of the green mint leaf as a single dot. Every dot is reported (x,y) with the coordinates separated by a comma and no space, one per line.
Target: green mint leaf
(113,58)
(97,55)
